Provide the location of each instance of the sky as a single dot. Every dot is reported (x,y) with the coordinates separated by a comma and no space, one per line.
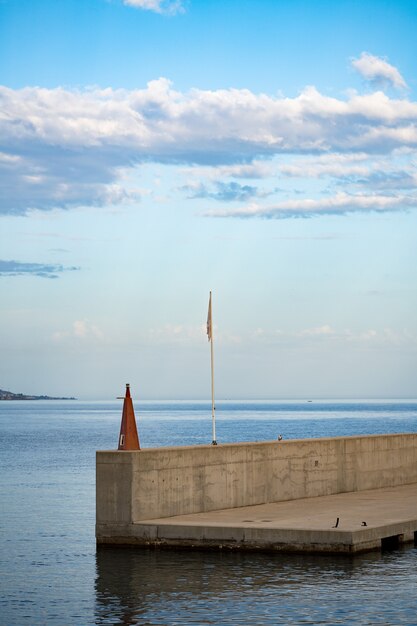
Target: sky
(154,150)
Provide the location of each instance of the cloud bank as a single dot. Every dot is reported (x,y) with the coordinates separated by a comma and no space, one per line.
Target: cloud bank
(65,148)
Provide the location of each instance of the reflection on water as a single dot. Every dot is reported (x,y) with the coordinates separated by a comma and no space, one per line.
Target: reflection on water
(138,587)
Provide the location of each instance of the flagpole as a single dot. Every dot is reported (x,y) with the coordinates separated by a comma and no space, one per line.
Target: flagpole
(210,336)
(213,408)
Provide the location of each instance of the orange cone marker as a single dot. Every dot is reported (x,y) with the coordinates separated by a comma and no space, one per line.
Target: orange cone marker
(128,438)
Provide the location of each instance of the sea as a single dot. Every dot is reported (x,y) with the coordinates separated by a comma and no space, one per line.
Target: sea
(51,572)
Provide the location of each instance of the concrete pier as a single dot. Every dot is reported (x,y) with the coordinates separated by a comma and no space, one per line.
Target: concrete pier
(340,495)
(304,525)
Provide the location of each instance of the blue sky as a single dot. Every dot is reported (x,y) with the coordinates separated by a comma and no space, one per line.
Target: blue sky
(154,150)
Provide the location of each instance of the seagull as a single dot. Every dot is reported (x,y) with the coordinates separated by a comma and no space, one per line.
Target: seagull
(279,437)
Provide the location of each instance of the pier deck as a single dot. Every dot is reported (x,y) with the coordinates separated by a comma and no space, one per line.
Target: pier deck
(303,525)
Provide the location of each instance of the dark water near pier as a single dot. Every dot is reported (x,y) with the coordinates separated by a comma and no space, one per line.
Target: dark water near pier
(50,570)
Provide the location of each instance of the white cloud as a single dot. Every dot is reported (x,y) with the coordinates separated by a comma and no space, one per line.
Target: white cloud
(223,191)
(360,171)
(256,169)
(339,204)
(175,334)
(377,71)
(182,334)
(336,165)
(81,330)
(65,148)
(8,158)
(319,331)
(170,7)
(368,337)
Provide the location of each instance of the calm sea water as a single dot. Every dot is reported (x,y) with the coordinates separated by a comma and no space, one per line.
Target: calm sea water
(52,574)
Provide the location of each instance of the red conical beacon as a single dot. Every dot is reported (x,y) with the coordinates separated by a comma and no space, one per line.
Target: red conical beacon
(128,438)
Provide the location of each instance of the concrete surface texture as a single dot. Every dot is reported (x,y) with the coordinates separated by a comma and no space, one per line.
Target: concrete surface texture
(154,483)
(341,523)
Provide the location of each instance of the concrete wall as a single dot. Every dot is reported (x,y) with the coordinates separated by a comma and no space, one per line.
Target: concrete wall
(162,482)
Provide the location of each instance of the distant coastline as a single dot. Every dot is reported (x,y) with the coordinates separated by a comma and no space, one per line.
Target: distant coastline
(9,395)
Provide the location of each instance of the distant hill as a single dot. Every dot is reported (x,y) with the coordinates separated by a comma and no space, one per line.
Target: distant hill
(8,395)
